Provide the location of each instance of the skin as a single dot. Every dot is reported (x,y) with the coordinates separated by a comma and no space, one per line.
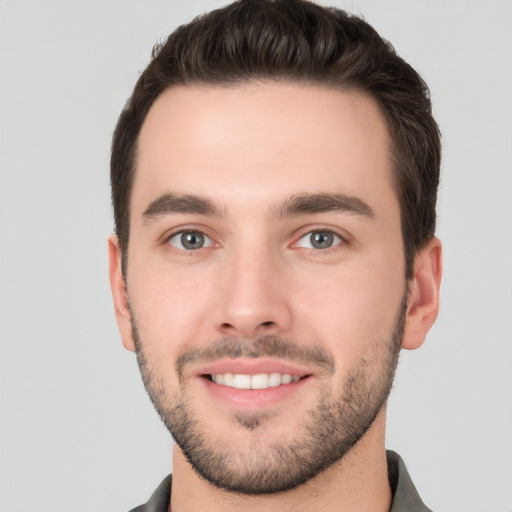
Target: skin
(249,150)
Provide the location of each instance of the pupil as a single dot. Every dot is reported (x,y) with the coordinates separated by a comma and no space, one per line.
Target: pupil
(192,240)
(321,240)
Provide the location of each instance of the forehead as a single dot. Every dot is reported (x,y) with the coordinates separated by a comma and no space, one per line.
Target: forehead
(257,142)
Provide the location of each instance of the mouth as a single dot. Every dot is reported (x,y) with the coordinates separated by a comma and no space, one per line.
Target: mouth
(257,381)
(253,383)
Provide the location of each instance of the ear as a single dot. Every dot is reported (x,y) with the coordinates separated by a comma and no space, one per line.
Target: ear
(423,300)
(119,294)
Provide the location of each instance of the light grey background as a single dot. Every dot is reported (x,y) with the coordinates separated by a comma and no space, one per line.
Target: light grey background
(77,431)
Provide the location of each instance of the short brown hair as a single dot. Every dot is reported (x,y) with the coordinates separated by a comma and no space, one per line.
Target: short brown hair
(295,41)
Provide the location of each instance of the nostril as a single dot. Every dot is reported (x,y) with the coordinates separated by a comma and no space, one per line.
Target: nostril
(247,329)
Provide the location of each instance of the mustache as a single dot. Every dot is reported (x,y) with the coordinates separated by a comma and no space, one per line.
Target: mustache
(253,348)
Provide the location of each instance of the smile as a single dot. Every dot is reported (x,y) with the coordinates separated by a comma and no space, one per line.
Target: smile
(258,381)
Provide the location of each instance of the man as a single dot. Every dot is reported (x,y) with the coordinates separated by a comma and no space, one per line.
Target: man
(274,180)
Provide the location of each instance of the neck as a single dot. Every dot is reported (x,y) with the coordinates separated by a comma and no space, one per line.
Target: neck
(358,482)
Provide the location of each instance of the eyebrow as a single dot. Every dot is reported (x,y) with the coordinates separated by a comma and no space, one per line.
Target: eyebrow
(299,204)
(180,203)
(306,204)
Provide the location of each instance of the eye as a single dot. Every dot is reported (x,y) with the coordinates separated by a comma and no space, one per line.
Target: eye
(190,240)
(319,240)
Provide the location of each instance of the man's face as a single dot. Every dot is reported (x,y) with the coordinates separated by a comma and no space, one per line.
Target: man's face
(266,251)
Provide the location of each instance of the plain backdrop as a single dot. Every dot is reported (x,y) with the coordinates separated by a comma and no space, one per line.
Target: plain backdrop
(77,431)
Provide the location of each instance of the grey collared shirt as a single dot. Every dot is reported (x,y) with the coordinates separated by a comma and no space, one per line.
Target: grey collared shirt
(405,495)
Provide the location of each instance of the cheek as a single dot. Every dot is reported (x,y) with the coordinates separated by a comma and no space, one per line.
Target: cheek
(350,309)
(170,307)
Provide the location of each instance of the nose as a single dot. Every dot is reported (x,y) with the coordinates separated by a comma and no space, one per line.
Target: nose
(252,298)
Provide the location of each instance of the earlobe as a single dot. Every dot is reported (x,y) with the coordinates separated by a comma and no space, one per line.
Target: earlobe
(119,296)
(423,303)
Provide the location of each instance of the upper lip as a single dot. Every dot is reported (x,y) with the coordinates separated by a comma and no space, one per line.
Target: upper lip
(245,366)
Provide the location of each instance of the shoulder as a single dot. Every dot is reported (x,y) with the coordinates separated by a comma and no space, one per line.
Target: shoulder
(159,500)
(405,496)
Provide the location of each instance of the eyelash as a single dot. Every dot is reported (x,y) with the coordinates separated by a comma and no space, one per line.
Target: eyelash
(342,240)
(181,232)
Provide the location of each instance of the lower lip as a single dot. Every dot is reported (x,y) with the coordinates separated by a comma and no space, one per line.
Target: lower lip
(254,398)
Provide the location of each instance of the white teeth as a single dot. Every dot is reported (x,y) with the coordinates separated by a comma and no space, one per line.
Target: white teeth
(242,381)
(274,379)
(286,378)
(258,381)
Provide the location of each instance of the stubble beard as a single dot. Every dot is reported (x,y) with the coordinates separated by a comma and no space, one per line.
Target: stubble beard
(341,416)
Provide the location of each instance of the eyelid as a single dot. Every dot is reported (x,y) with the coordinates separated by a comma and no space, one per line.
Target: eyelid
(344,237)
(304,231)
(208,242)
(179,230)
